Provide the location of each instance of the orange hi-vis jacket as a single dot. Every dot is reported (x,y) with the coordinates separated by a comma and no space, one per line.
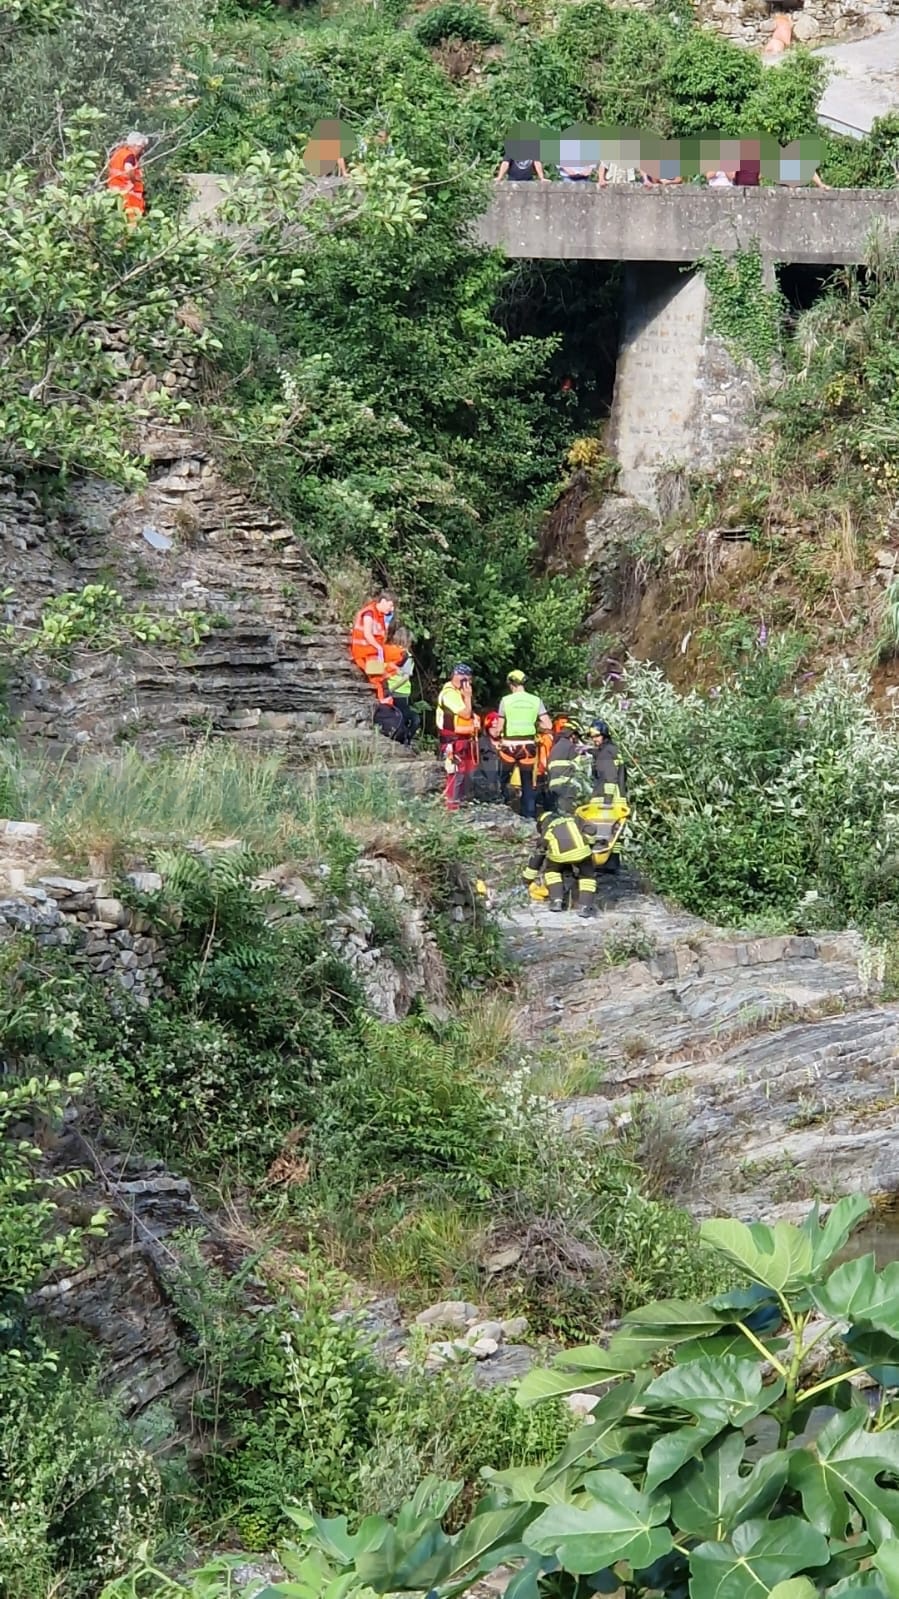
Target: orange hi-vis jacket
(124,177)
(359,644)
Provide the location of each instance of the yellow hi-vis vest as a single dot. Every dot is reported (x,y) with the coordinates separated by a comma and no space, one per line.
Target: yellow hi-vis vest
(565,843)
(519,712)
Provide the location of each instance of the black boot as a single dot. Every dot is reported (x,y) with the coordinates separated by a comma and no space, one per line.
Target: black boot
(587,910)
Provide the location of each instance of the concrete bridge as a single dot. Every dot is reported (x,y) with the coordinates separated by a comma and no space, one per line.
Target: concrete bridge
(682,401)
(579,222)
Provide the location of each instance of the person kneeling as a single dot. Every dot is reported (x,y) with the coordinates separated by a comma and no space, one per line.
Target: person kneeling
(564,853)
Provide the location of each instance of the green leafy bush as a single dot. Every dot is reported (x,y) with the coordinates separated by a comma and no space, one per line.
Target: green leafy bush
(77,1496)
(455,20)
(757,798)
(709,81)
(408,1105)
(748,1462)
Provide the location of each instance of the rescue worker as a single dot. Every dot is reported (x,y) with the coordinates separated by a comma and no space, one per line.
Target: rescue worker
(517,748)
(568,778)
(457,730)
(609,778)
(542,798)
(124,175)
(395,691)
(564,852)
(609,772)
(369,648)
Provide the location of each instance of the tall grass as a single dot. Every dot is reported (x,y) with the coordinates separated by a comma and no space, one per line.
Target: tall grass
(111,807)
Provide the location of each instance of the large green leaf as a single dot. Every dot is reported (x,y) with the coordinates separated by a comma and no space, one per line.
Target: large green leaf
(794,1588)
(671,1452)
(730,1342)
(711,1496)
(857,1292)
(662,1325)
(876,1350)
(333,1538)
(522,1485)
(432,1559)
(576,1376)
(728,1388)
(841,1471)
(622,1524)
(779,1257)
(600,1439)
(887,1562)
(828,1239)
(756,1559)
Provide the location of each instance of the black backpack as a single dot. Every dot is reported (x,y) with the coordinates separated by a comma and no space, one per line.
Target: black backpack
(389,721)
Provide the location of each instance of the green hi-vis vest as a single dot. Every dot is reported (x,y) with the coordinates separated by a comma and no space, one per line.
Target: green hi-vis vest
(400,687)
(565,842)
(519,712)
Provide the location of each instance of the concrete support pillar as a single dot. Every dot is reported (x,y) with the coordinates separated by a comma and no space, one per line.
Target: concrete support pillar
(682,401)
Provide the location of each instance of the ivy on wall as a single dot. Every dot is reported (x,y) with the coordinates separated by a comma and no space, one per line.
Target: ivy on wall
(742,311)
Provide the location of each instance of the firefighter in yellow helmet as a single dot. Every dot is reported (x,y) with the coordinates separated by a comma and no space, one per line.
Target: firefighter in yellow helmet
(564,853)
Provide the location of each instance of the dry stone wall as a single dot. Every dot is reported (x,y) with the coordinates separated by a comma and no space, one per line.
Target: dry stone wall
(99,933)
(751,22)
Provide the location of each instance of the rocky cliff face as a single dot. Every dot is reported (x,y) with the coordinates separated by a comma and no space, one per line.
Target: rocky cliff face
(274,668)
(768,1063)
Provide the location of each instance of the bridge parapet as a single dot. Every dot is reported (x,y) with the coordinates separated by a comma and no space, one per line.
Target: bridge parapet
(580,222)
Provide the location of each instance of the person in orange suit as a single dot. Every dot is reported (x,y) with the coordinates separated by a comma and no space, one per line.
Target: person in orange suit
(369,648)
(124,175)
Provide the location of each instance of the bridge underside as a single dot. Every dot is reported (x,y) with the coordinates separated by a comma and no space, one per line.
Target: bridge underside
(579,222)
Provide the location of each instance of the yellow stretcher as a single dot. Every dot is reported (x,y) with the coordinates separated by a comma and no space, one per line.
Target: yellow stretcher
(607,817)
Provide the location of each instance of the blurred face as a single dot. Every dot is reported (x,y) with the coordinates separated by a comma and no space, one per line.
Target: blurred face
(385,605)
(459,679)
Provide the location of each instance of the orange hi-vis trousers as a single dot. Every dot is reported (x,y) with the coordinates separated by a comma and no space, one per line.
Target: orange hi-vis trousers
(376,667)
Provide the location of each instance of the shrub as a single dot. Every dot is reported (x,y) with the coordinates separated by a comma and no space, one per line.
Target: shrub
(709,81)
(77,1496)
(408,1105)
(754,797)
(455,20)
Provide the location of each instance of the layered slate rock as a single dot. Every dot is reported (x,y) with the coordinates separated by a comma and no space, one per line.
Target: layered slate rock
(771,1059)
(274,666)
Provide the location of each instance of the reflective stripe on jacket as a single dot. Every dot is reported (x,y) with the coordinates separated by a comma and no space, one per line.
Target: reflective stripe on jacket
(565,842)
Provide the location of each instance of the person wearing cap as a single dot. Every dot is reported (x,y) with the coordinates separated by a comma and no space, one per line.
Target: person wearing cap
(124,175)
(545,735)
(517,748)
(457,730)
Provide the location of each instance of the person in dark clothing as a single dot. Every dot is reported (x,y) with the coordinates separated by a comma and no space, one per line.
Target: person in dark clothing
(516,170)
(609,772)
(568,780)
